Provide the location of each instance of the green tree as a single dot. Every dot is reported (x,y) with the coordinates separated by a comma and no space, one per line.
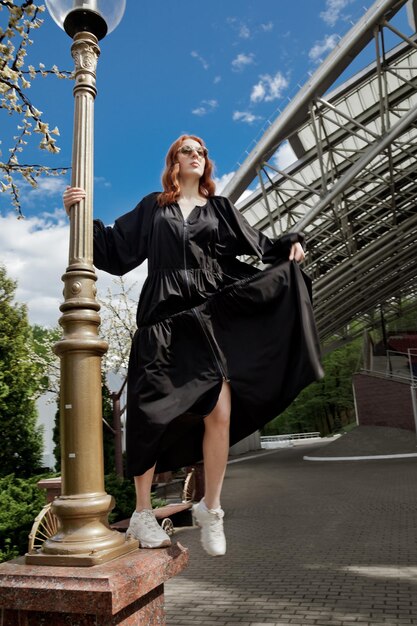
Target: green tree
(326,405)
(108,431)
(46,360)
(21,441)
(20,502)
(56,438)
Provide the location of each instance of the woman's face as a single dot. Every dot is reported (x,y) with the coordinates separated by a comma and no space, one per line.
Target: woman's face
(191,159)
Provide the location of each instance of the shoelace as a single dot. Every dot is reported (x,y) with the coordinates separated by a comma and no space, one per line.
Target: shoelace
(216,524)
(148,518)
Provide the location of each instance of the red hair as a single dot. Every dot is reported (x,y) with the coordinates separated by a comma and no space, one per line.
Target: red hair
(170,183)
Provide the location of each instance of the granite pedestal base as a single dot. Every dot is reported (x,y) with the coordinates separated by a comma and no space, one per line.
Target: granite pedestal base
(128,591)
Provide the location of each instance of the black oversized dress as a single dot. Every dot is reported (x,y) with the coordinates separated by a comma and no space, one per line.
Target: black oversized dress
(204,317)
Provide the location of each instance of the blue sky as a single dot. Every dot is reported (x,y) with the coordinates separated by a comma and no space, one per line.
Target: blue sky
(219,69)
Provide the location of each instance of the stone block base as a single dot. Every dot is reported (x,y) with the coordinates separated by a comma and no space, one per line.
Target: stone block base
(128,591)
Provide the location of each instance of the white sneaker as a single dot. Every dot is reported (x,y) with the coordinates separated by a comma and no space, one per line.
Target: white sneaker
(144,527)
(211,524)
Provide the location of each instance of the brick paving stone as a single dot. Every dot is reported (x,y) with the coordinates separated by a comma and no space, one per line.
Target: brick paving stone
(330,544)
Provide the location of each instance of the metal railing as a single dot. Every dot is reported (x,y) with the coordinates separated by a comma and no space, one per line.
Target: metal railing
(274,441)
(396,365)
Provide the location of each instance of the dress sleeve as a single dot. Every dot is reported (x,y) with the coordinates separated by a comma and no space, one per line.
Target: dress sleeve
(238,237)
(122,247)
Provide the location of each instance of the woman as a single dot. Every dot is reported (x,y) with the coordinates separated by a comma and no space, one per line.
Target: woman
(221,347)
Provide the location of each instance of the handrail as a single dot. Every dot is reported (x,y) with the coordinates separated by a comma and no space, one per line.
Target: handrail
(289,437)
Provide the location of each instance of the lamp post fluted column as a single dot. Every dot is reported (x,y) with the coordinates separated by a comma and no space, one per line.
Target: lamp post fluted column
(84,536)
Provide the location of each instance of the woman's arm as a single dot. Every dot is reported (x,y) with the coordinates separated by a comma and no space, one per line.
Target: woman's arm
(237,237)
(123,246)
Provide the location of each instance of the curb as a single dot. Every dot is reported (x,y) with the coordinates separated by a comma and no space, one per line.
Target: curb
(377,457)
(253,456)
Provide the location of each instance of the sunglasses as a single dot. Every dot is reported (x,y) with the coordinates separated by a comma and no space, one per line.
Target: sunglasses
(188,151)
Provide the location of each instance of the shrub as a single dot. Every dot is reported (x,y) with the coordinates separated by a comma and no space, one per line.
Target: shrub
(20,503)
(124,493)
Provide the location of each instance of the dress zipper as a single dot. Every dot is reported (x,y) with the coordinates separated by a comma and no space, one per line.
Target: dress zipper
(196,313)
(185,238)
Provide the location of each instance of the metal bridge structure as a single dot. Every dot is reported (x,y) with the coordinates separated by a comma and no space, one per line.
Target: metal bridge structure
(353,186)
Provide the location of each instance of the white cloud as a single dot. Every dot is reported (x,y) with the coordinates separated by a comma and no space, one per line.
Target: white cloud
(244,32)
(199,111)
(258,92)
(267,27)
(224,180)
(101,180)
(333,11)
(206,106)
(217,79)
(269,88)
(245,116)
(284,156)
(242,60)
(322,47)
(35,253)
(244,195)
(197,56)
(242,29)
(48,187)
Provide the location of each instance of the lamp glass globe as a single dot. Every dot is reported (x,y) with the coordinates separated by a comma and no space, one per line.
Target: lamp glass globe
(111,11)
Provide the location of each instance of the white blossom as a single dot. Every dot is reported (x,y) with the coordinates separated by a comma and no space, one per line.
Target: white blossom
(15,79)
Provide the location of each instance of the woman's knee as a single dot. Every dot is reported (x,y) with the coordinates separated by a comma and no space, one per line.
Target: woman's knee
(220,416)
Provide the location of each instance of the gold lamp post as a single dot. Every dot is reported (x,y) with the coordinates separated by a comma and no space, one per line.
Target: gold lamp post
(84,537)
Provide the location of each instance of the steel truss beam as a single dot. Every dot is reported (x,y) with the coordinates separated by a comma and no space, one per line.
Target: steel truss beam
(353,190)
(295,113)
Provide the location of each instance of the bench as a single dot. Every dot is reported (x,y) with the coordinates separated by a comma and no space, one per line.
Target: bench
(169,516)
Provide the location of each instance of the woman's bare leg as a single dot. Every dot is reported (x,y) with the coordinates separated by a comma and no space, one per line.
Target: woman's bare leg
(143,526)
(216,447)
(143,484)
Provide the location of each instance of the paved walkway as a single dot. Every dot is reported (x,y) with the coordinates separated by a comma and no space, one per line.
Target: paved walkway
(308,543)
